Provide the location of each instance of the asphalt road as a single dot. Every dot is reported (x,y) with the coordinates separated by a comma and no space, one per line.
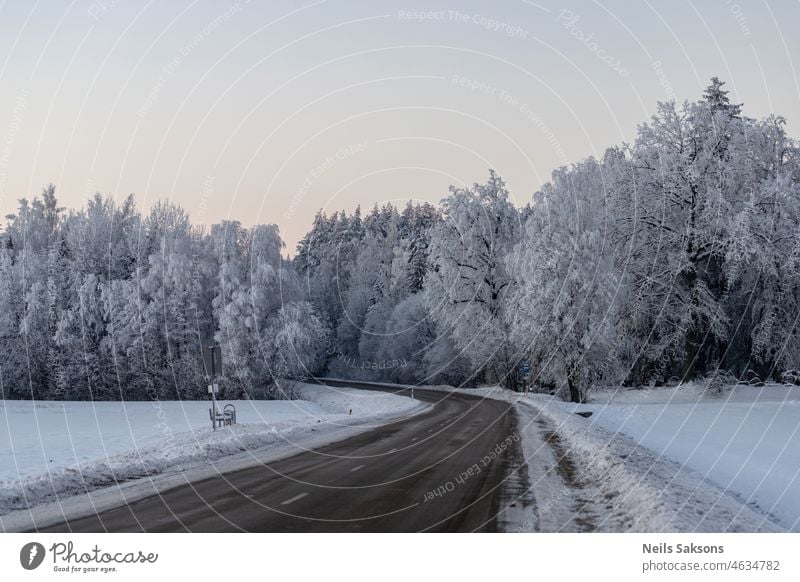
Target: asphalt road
(379,481)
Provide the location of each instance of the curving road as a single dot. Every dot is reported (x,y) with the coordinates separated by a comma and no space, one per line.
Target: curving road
(382,480)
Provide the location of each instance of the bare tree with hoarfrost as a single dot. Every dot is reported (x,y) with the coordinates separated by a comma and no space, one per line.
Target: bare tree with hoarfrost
(762,262)
(675,256)
(675,198)
(469,281)
(564,307)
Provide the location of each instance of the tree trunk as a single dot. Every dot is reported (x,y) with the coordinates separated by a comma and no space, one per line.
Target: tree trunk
(691,348)
(574,389)
(691,352)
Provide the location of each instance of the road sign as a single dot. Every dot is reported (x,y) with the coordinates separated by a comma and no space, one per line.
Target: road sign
(525,369)
(212,361)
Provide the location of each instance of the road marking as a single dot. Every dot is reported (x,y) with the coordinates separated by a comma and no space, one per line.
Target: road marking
(412,440)
(354,469)
(293,499)
(393,451)
(430,430)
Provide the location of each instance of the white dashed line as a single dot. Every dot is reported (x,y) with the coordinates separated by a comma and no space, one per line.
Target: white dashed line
(393,451)
(293,499)
(354,469)
(412,440)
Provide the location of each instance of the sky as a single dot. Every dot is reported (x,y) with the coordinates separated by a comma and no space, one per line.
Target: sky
(266,112)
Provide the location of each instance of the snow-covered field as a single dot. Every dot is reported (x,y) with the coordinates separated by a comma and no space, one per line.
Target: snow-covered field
(53,449)
(745,441)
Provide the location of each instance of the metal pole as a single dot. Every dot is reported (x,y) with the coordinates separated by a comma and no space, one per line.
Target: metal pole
(213,391)
(213,407)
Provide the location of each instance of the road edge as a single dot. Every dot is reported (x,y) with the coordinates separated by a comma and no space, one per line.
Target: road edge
(76,506)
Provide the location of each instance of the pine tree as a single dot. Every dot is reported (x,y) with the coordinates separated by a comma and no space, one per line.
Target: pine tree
(718,99)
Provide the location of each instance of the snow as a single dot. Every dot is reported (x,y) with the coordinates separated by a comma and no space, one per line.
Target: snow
(50,436)
(745,440)
(617,485)
(49,450)
(655,460)
(644,491)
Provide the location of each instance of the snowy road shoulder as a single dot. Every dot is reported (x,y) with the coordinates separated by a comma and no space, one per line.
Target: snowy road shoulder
(631,488)
(583,477)
(126,461)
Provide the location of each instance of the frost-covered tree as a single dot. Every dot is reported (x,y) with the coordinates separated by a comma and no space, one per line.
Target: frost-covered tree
(675,199)
(762,260)
(675,256)
(471,275)
(13,367)
(564,307)
(297,342)
(104,303)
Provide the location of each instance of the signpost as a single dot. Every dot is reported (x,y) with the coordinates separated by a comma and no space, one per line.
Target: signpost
(525,372)
(212,367)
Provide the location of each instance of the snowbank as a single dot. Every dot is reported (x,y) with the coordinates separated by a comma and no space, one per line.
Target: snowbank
(745,440)
(627,487)
(49,450)
(646,492)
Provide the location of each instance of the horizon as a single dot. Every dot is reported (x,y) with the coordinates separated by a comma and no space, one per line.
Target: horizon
(268,113)
(398,203)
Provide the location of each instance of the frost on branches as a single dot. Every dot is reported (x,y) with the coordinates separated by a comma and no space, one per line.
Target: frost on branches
(674,257)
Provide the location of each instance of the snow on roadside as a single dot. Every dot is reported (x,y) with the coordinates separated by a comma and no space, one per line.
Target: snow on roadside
(618,485)
(49,450)
(645,492)
(744,440)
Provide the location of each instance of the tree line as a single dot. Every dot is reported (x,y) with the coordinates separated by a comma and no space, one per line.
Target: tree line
(106,303)
(670,258)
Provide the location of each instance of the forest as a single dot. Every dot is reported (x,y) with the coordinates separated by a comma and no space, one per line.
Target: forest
(671,258)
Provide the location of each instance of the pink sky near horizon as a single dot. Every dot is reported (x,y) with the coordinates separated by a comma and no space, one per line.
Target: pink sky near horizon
(267,112)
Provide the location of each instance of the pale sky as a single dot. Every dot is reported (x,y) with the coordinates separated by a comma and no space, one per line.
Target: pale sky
(265,112)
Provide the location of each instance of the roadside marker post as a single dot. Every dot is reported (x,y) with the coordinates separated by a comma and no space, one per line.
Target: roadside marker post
(212,367)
